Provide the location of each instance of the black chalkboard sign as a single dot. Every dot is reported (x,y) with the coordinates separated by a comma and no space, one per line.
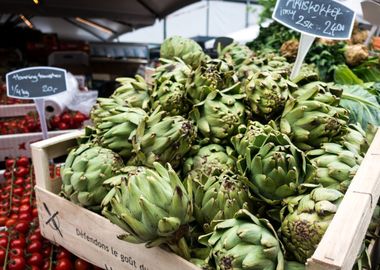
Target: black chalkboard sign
(320,18)
(36,82)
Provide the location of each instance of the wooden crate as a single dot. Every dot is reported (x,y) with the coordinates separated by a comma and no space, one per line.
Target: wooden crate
(84,233)
(93,238)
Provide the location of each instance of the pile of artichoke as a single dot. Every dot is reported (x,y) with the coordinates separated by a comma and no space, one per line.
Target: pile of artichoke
(226,162)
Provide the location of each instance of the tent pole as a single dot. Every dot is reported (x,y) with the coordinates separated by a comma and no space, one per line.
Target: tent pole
(248,4)
(208,18)
(165,29)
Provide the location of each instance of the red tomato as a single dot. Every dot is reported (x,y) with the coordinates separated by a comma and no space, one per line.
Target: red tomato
(3,220)
(19,181)
(46,265)
(64,264)
(9,162)
(16,252)
(25,217)
(28,186)
(2,256)
(35,259)
(22,171)
(63,253)
(35,212)
(18,242)
(63,126)
(4,234)
(7,174)
(22,227)
(25,208)
(10,222)
(18,191)
(25,201)
(33,267)
(22,161)
(17,263)
(14,216)
(46,251)
(3,242)
(81,265)
(66,118)
(16,200)
(34,246)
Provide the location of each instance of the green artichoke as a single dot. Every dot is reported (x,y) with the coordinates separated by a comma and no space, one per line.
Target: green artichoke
(263,62)
(289,265)
(151,205)
(274,166)
(219,115)
(162,139)
(235,54)
(134,92)
(335,165)
(186,49)
(213,75)
(218,197)
(312,118)
(245,242)
(210,160)
(305,219)
(116,131)
(85,170)
(356,140)
(267,93)
(169,90)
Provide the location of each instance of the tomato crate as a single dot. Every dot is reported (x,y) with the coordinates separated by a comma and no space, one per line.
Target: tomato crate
(94,238)
(16,109)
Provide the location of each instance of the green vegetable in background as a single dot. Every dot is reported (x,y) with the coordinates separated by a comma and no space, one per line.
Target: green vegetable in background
(344,75)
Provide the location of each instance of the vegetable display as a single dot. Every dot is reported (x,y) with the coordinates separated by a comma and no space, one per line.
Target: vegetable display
(225,162)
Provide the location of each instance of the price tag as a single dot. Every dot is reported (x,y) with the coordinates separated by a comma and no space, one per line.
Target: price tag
(371,11)
(316,18)
(36,83)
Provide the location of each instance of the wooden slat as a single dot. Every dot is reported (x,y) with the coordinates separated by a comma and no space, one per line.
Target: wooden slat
(342,241)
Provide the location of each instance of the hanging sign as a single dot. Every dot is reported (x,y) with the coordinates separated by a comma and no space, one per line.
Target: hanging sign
(36,83)
(316,18)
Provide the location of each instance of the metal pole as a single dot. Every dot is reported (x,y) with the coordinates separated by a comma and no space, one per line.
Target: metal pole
(207,18)
(248,4)
(165,29)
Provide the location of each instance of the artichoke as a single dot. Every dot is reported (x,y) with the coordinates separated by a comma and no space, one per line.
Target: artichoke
(235,54)
(263,62)
(218,197)
(186,49)
(85,170)
(210,160)
(289,265)
(151,205)
(116,131)
(313,117)
(162,139)
(219,115)
(267,93)
(305,219)
(213,75)
(335,165)
(169,90)
(356,140)
(134,92)
(274,166)
(245,242)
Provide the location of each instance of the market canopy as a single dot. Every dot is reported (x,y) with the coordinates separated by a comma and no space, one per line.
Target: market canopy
(102,20)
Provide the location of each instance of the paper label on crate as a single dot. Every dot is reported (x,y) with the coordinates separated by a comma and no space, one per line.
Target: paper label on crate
(36,82)
(319,18)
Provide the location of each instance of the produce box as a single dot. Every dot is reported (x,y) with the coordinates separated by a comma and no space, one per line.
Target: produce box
(94,238)
(16,109)
(82,232)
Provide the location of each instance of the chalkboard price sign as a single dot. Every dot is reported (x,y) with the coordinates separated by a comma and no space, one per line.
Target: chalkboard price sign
(36,82)
(319,18)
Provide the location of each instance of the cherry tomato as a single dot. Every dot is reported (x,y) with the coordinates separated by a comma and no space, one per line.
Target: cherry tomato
(34,212)
(46,265)
(81,265)
(22,227)
(25,217)
(28,187)
(14,216)
(10,222)
(4,234)
(22,171)
(33,267)
(2,256)
(35,236)
(65,118)
(3,242)
(64,264)
(18,191)
(22,161)
(25,208)
(9,162)
(16,263)
(19,181)
(18,242)
(35,259)
(3,220)
(34,246)
(16,200)
(7,174)
(25,201)
(63,253)
(16,252)
(4,195)
(46,251)
(63,126)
